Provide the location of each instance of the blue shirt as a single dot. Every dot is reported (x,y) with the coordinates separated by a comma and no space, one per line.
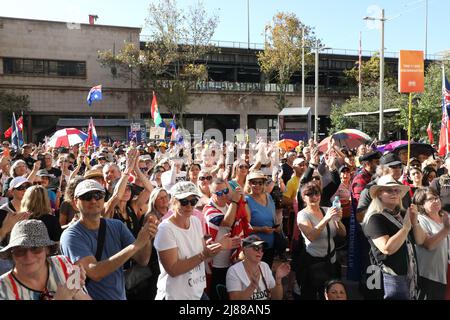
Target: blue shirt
(262,216)
(78,242)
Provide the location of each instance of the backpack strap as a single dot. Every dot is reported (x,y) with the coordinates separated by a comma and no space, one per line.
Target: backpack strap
(100,242)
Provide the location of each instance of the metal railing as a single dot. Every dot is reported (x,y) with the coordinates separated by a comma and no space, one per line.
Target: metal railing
(214,86)
(331,51)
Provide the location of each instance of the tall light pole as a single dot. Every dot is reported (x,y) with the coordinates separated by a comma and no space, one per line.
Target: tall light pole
(316,91)
(382,20)
(248,23)
(426,28)
(303,67)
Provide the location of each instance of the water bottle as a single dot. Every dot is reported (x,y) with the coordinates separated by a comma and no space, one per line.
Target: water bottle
(337,205)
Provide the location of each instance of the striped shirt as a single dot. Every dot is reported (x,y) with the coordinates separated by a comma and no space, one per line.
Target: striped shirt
(12,289)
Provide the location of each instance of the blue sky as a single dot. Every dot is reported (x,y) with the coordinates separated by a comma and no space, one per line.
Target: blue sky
(337,22)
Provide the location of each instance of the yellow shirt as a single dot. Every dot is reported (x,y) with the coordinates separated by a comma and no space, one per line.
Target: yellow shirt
(292,187)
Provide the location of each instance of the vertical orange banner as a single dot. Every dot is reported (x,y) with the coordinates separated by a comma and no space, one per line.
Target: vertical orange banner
(410,71)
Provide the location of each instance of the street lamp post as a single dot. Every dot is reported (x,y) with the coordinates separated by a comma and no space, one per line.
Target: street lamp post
(381,118)
(316,94)
(303,67)
(316,91)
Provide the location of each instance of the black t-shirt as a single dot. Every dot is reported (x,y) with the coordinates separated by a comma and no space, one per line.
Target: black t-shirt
(378,226)
(53,227)
(287,172)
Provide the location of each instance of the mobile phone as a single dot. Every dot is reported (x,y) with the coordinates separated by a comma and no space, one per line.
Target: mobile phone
(276,226)
(206,237)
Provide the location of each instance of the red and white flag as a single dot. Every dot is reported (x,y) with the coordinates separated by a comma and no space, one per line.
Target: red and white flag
(430,133)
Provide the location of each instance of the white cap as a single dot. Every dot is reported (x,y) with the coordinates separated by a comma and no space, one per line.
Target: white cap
(17,182)
(297,161)
(86,186)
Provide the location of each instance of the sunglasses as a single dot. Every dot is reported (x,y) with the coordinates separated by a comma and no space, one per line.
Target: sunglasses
(397,166)
(20,252)
(257,182)
(316,178)
(312,193)
(92,195)
(185,202)
(23,187)
(37,182)
(259,248)
(392,190)
(222,192)
(209,178)
(46,295)
(243,166)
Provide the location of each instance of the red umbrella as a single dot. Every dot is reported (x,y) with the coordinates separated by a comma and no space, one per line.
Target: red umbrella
(349,138)
(66,138)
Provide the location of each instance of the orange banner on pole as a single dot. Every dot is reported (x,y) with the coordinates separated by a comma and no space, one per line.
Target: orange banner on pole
(410,71)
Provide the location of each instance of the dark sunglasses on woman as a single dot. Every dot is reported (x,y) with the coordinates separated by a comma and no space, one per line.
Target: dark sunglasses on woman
(222,192)
(97,195)
(209,178)
(185,202)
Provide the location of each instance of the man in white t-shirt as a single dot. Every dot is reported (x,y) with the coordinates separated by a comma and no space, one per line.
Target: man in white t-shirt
(219,219)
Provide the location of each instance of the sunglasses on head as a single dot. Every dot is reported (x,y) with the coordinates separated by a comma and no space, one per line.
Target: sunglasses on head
(222,192)
(97,195)
(185,202)
(209,178)
(20,252)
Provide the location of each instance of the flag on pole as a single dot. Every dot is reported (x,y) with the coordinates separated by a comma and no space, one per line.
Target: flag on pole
(430,133)
(444,132)
(92,135)
(173,128)
(94,94)
(19,125)
(155,111)
(16,135)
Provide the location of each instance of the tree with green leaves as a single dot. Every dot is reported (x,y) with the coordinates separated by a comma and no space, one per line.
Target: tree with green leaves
(169,63)
(426,106)
(281,56)
(11,102)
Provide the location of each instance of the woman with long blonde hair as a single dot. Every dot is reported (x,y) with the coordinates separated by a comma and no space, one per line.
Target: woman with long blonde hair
(36,202)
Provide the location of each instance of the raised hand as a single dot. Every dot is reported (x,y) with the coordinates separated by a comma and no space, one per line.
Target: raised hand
(283,270)
(211,248)
(407,221)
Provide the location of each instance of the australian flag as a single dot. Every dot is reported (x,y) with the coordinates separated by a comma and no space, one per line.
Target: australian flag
(94,94)
(16,136)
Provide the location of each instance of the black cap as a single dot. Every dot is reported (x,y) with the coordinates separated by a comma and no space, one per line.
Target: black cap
(390,160)
(119,151)
(370,156)
(344,167)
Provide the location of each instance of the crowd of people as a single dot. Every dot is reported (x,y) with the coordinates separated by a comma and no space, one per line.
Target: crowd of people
(222,221)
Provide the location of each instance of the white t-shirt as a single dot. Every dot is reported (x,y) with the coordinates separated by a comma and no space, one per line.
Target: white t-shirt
(237,280)
(190,285)
(433,264)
